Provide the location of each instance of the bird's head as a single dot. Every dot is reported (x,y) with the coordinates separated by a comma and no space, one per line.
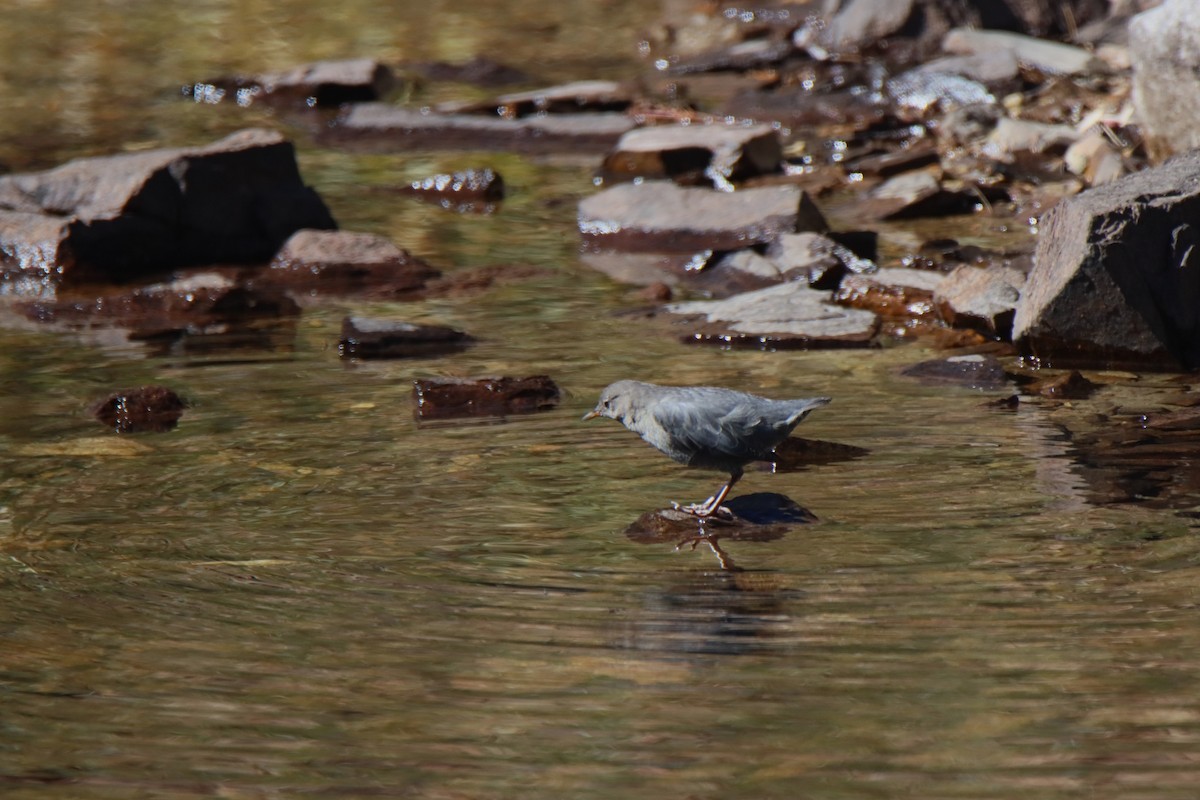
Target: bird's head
(615,401)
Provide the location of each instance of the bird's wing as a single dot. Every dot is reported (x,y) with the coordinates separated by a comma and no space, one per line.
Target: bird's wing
(713,424)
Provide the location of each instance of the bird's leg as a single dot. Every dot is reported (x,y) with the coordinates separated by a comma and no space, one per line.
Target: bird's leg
(713,505)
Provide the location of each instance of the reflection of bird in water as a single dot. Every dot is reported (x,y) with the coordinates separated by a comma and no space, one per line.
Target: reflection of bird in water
(704,426)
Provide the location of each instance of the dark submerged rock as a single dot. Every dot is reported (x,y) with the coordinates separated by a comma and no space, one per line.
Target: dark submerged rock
(319,84)
(122,217)
(146,409)
(658,215)
(445,398)
(1115,279)
(974,371)
(374,338)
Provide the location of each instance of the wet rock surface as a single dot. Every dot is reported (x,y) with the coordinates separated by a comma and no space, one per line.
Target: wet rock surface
(983,299)
(364,337)
(973,371)
(892,292)
(449,398)
(145,409)
(319,84)
(118,218)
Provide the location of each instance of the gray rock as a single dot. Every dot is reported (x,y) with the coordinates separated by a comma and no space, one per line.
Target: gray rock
(981,299)
(378,126)
(989,67)
(916,93)
(344,262)
(567,98)
(120,217)
(1051,58)
(658,215)
(1012,137)
(863,21)
(1116,275)
(915,194)
(786,315)
(1164,44)
(718,154)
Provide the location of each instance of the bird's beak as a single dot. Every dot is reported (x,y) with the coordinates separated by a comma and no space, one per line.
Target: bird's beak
(590,415)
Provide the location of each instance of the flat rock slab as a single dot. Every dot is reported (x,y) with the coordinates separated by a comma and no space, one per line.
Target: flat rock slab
(915,194)
(118,218)
(363,337)
(790,315)
(145,409)
(982,299)
(658,215)
(344,262)
(376,126)
(447,398)
(696,154)
(1115,274)
(317,84)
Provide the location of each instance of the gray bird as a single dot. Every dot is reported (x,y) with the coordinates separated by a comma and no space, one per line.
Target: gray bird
(704,426)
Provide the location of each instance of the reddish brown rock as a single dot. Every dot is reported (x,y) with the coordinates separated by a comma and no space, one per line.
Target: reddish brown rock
(205,302)
(343,262)
(146,409)
(119,218)
(381,127)
(373,338)
(893,293)
(982,299)
(319,84)
(658,215)
(1066,386)
(717,155)
(443,398)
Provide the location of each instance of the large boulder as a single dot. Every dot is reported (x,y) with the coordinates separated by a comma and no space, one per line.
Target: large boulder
(1116,275)
(117,218)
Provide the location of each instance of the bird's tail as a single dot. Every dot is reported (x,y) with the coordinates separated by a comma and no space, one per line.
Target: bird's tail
(801,408)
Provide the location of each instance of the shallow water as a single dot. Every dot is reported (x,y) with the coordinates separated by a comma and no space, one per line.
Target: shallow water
(301,592)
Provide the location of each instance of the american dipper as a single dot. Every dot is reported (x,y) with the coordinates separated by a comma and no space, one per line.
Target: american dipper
(704,426)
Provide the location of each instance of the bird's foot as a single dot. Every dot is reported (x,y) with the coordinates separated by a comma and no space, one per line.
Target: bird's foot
(704,510)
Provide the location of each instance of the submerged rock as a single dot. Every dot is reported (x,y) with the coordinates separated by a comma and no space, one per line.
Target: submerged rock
(1115,274)
(118,218)
(974,371)
(658,215)
(444,398)
(146,409)
(718,155)
(363,337)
